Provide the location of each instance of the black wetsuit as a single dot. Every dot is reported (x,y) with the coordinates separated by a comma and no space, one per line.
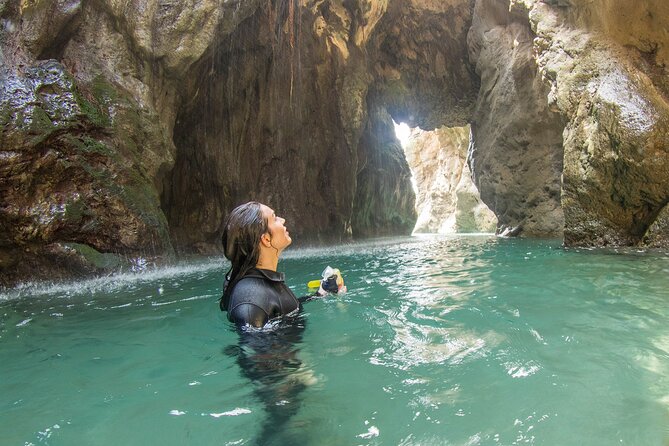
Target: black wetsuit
(270,359)
(260,296)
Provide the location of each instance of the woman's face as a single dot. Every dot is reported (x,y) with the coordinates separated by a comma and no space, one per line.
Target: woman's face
(279,234)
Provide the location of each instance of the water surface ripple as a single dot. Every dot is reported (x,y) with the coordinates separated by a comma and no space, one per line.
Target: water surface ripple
(440,341)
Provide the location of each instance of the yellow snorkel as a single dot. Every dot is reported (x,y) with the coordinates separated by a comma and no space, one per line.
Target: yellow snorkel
(314,283)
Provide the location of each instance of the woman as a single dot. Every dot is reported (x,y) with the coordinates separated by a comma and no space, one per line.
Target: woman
(254,292)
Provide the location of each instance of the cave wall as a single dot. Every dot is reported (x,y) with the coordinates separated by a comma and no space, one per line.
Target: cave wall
(79,159)
(276,117)
(88,94)
(130,129)
(570,129)
(300,117)
(516,145)
(383,171)
(420,63)
(154,120)
(606,66)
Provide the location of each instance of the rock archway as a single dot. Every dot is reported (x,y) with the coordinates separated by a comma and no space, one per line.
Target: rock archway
(308,108)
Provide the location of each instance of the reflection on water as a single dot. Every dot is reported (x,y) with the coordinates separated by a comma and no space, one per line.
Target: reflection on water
(421,297)
(270,360)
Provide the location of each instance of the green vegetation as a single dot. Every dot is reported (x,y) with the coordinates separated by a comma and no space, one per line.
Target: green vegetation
(99,260)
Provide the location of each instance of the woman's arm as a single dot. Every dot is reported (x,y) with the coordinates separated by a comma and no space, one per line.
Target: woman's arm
(320,293)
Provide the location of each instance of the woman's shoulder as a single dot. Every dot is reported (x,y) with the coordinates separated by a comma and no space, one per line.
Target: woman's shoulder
(248,286)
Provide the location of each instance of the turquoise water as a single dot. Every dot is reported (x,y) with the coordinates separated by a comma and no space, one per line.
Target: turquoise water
(439,341)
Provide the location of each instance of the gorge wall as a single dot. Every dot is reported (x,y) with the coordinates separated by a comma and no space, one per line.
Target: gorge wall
(130,129)
(447,201)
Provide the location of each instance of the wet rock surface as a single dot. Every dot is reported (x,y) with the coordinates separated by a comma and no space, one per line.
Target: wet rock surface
(66,178)
(132,129)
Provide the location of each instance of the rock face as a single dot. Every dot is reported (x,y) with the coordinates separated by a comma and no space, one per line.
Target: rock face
(420,63)
(516,148)
(656,235)
(86,108)
(383,171)
(447,200)
(279,117)
(131,129)
(607,70)
(75,176)
(572,117)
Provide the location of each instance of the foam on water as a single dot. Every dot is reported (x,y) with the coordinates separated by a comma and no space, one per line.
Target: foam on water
(110,283)
(148,274)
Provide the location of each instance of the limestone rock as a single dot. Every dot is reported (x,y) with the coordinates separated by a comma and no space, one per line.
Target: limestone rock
(261,122)
(447,200)
(279,117)
(421,65)
(657,235)
(472,214)
(516,147)
(46,24)
(384,202)
(132,127)
(606,67)
(65,178)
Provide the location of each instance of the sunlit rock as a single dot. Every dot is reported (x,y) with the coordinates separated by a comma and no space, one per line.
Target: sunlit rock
(606,67)
(447,200)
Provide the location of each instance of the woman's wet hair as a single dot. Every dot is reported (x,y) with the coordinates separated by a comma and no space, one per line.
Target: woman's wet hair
(241,243)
